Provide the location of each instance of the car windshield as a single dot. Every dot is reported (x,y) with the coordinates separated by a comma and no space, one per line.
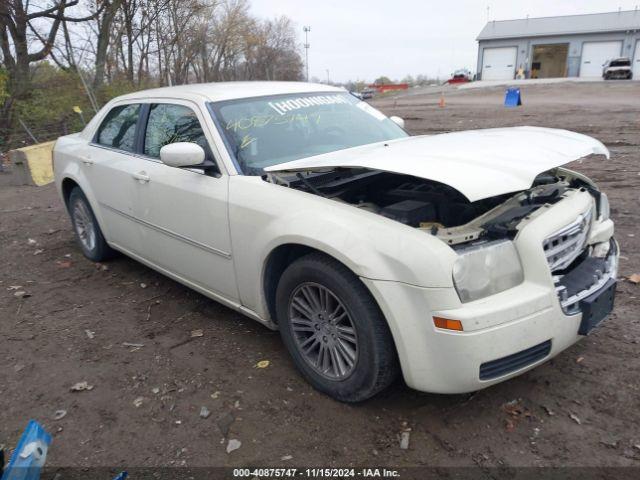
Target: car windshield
(266,131)
(620,63)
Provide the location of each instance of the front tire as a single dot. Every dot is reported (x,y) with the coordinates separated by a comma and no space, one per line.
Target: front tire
(334,330)
(88,233)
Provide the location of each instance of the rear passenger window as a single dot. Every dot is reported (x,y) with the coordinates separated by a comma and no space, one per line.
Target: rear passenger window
(118,129)
(170,124)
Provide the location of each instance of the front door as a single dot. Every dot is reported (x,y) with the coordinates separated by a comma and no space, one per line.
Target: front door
(183,212)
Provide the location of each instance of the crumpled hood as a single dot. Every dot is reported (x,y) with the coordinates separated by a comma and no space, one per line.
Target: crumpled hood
(478,163)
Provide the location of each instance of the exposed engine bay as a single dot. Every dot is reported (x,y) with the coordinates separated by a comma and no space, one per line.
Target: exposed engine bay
(434,207)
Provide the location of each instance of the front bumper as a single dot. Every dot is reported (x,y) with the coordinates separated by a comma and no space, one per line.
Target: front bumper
(618,74)
(504,335)
(442,361)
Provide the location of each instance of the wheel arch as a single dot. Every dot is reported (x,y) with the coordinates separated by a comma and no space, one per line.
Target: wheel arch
(277,262)
(67,186)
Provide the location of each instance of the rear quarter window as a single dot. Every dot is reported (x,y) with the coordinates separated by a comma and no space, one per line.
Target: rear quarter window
(118,129)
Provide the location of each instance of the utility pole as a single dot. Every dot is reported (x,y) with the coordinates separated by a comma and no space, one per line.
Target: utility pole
(328,80)
(306,30)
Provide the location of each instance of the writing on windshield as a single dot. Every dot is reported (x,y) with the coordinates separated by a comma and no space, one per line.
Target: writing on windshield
(266,131)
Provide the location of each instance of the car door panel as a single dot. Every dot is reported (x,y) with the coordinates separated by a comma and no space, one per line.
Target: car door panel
(185,226)
(111,175)
(184,213)
(109,163)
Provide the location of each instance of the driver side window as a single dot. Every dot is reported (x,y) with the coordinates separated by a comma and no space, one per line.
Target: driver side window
(170,124)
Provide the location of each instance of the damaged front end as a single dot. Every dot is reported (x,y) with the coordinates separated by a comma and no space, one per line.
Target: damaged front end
(482,232)
(476,191)
(433,207)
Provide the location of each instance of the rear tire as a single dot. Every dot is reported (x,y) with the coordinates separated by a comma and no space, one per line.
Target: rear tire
(334,330)
(85,225)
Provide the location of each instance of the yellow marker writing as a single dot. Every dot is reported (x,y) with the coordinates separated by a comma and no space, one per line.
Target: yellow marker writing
(246,141)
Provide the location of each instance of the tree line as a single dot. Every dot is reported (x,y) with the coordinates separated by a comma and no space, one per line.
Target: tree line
(101,48)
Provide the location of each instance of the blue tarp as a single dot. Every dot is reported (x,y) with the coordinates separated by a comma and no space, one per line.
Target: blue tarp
(29,455)
(512,98)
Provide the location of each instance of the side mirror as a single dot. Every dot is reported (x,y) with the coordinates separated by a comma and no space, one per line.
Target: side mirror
(398,121)
(182,154)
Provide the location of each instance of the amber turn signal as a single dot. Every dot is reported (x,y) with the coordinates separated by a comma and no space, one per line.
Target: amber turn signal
(447,323)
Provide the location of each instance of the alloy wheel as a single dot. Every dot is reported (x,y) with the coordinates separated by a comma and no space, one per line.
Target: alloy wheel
(84,225)
(323,331)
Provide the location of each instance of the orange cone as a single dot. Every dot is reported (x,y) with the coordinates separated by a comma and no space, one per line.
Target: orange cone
(442,103)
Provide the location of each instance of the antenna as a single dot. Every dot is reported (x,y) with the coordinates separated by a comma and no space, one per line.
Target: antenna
(306,30)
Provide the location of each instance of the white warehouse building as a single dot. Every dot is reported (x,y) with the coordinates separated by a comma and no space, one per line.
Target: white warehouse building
(567,46)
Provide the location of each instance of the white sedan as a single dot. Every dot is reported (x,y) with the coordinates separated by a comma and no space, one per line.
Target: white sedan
(460,259)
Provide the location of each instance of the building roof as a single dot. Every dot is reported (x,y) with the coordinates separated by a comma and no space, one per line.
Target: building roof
(217,91)
(565,25)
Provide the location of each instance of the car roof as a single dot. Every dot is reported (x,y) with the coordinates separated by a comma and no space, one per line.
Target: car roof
(218,91)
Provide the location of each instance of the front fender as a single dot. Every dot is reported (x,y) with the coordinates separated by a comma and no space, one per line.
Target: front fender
(372,246)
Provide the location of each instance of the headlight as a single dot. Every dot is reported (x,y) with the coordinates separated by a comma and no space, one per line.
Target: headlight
(486,269)
(605,211)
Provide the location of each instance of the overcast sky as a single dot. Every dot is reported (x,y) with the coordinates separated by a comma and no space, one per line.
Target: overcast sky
(363,39)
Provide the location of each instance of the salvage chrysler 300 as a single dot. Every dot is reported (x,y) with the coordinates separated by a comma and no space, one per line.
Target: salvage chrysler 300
(460,259)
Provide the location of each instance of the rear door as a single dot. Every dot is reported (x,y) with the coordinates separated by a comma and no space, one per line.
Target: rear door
(499,63)
(594,56)
(184,212)
(110,163)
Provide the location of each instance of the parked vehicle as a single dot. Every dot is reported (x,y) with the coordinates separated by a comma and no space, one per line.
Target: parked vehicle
(367,93)
(459,259)
(618,68)
(460,76)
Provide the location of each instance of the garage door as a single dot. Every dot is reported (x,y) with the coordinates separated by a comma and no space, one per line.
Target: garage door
(636,62)
(499,63)
(594,54)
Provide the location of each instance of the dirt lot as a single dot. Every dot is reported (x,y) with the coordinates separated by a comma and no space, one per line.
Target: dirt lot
(578,409)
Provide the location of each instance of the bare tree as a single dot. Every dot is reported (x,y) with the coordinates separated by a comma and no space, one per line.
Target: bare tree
(142,42)
(272,53)
(17,19)
(104,24)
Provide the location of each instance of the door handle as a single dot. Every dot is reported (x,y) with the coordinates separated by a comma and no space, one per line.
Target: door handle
(141,176)
(87,161)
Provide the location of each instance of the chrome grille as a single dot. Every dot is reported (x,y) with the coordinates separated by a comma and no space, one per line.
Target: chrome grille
(565,245)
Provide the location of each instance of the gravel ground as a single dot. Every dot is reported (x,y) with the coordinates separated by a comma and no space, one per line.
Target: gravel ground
(128,332)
